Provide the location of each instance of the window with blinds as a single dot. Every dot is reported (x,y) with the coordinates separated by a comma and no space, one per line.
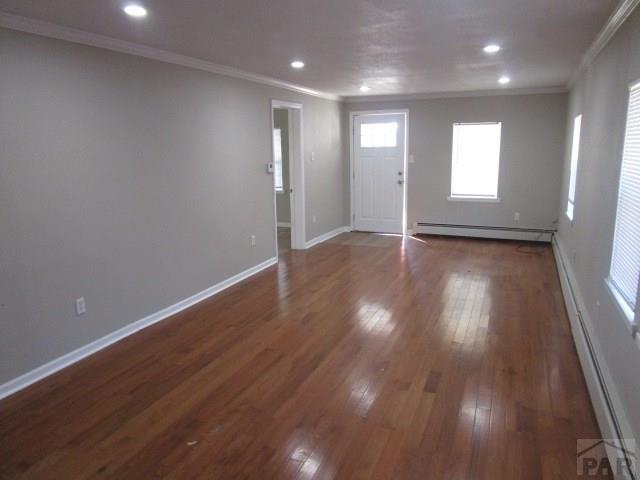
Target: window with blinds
(475,160)
(625,259)
(277,160)
(573,172)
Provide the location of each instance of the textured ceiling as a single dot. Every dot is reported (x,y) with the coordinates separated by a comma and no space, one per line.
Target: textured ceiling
(394,46)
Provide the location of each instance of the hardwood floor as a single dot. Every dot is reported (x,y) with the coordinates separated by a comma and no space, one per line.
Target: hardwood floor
(367,356)
(284,240)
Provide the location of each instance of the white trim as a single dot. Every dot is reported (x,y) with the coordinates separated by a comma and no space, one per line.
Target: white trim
(352,115)
(327,236)
(296,173)
(455,198)
(475,232)
(464,94)
(284,104)
(615,21)
(70,358)
(51,30)
(584,337)
(621,304)
(284,224)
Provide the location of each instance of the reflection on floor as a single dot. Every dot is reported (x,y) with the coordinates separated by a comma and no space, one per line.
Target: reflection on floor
(284,240)
(368,356)
(365,239)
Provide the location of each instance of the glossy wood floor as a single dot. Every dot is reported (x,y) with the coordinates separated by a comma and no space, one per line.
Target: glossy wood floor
(365,357)
(284,240)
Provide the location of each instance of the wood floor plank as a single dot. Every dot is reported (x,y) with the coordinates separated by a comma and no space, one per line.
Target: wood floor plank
(368,356)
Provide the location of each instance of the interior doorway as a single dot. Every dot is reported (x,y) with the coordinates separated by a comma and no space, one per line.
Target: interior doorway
(379,167)
(282,177)
(288,175)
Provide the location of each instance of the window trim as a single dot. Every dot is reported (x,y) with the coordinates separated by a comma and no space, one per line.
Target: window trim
(475,198)
(621,304)
(572,201)
(279,189)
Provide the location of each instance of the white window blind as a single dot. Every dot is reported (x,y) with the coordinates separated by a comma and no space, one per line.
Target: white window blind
(475,160)
(277,160)
(625,260)
(573,173)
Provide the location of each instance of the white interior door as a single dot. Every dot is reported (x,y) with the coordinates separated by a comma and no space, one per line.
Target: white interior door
(379,172)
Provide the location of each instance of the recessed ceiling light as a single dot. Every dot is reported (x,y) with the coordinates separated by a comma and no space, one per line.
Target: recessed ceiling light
(503,80)
(364,88)
(492,48)
(297,64)
(135,10)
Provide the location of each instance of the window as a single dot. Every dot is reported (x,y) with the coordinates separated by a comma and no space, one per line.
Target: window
(376,135)
(573,173)
(625,259)
(277,160)
(475,161)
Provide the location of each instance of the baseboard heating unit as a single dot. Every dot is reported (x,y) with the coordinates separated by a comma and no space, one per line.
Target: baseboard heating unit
(485,231)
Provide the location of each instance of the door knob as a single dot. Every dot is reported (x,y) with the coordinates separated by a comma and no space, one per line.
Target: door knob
(400,182)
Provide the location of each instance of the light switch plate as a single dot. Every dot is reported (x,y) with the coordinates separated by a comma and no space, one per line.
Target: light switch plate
(81,306)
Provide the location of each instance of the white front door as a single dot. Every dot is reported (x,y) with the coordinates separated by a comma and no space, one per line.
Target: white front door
(379,176)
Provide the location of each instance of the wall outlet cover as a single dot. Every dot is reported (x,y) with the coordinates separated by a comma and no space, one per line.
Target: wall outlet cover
(81,306)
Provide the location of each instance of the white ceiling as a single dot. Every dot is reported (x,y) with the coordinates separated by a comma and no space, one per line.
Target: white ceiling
(394,46)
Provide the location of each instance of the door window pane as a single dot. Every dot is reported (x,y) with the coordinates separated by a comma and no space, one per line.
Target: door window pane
(376,135)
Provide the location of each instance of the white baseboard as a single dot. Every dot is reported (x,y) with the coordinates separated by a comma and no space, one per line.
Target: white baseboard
(486,232)
(70,358)
(602,390)
(284,224)
(326,236)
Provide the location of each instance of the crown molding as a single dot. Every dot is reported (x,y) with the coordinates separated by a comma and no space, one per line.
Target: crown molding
(51,30)
(615,21)
(46,29)
(464,94)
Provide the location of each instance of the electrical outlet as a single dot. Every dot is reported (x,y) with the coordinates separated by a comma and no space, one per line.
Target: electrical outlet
(516,216)
(81,306)
(412,159)
(313,218)
(253,240)
(313,156)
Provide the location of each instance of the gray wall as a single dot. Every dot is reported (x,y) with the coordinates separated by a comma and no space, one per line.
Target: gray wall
(601,95)
(135,184)
(532,149)
(283,200)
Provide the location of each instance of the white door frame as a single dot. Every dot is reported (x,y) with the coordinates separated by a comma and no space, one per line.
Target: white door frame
(352,177)
(296,173)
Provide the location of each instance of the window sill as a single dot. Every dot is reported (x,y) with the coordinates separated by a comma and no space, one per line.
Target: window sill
(451,198)
(621,305)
